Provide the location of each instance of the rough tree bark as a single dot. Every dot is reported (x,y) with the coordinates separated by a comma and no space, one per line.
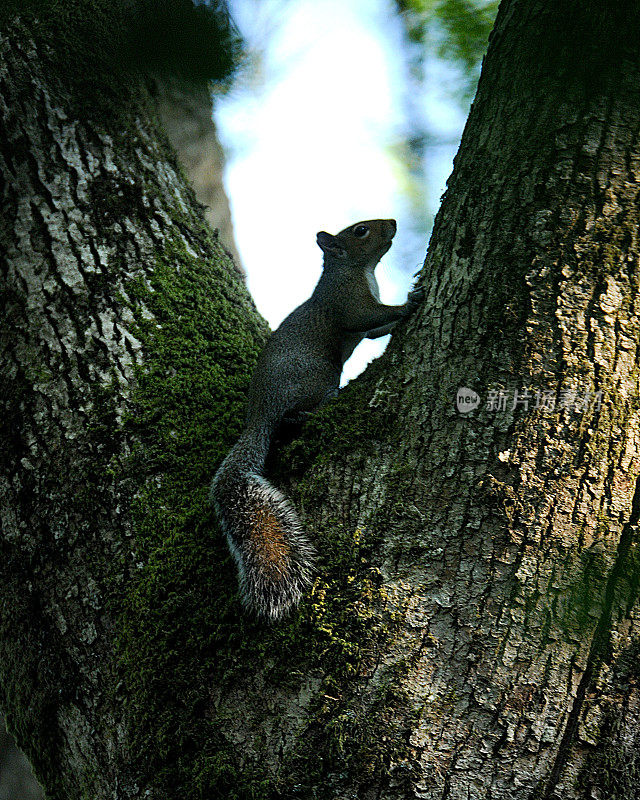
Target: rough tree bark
(474,628)
(185,109)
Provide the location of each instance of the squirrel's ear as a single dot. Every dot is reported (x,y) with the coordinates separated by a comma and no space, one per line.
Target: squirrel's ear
(329,244)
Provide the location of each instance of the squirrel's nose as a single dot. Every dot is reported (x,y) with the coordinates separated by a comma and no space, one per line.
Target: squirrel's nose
(392,227)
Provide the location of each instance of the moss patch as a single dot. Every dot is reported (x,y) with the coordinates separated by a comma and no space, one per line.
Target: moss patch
(184,643)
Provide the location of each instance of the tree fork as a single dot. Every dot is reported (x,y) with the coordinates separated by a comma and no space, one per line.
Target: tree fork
(473,629)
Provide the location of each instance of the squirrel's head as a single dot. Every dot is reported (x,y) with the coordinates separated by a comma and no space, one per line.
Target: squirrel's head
(359,245)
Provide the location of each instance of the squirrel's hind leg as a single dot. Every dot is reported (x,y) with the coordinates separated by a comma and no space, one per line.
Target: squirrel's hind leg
(300,417)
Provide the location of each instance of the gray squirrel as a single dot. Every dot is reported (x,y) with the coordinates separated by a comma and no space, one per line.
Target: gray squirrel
(298,370)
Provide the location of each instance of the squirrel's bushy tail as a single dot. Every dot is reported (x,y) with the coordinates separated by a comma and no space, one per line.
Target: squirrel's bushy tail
(265,536)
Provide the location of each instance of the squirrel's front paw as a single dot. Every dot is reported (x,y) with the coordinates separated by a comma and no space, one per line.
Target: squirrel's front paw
(416,296)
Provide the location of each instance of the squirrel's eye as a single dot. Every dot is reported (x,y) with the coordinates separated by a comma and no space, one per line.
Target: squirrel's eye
(361,231)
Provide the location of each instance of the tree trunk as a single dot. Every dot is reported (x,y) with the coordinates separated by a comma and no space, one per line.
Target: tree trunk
(127,338)
(186,114)
(473,631)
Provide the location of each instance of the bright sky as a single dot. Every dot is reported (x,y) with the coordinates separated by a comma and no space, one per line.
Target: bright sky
(309,145)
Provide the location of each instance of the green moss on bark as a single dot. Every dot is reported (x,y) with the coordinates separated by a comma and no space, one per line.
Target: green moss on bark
(201,339)
(185,644)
